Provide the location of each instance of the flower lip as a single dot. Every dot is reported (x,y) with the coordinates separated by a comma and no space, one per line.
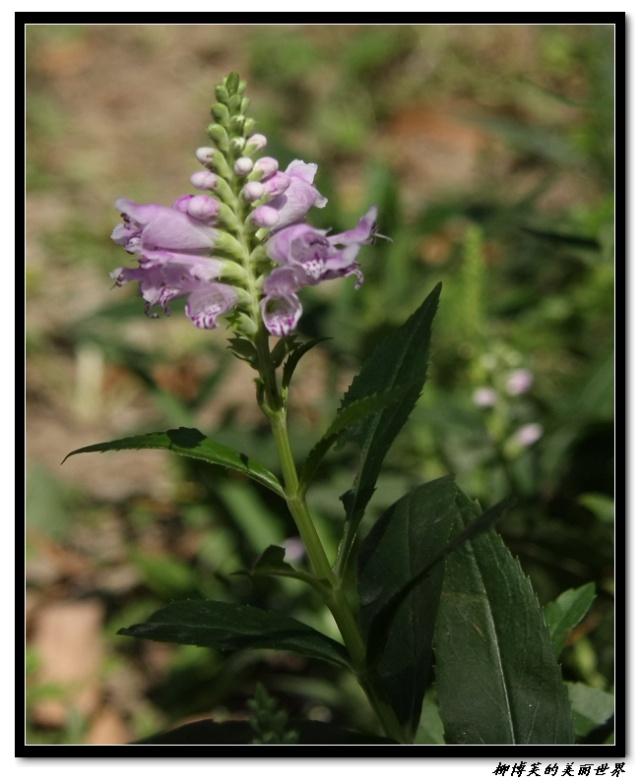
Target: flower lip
(162,227)
(308,256)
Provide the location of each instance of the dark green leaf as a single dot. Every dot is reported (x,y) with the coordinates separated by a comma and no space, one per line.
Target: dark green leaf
(244,349)
(400,360)
(387,610)
(399,638)
(191,443)
(590,707)
(567,611)
(497,677)
(229,627)
(209,732)
(295,356)
(347,417)
(272,562)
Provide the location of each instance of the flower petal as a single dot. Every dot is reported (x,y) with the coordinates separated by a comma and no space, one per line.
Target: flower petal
(207,302)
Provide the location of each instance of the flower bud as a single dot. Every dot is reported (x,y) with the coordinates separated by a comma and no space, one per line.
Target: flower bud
(255,143)
(203,207)
(249,125)
(219,136)
(222,93)
(220,113)
(181,204)
(265,216)
(204,154)
(277,184)
(237,146)
(237,123)
(235,101)
(266,166)
(232,83)
(253,191)
(204,180)
(243,166)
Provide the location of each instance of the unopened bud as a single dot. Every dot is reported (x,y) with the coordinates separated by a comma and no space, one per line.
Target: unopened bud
(243,166)
(277,184)
(249,126)
(222,93)
(203,207)
(255,143)
(220,113)
(204,154)
(204,180)
(237,123)
(237,145)
(265,216)
(220,136)
(266,166)
(253,191)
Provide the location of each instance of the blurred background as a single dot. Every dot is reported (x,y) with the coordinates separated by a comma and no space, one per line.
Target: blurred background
(489,152)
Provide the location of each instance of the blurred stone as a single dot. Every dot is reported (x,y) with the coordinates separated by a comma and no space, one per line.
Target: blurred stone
(68,645)
(108,728)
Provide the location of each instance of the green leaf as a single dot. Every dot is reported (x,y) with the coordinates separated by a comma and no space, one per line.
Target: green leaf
(347,418)
(272,563)
(400,360)
(209,732)
(399,631)
(567,611)
(191,443)
(229,627)
(295,356)
(497,677)
(590,707)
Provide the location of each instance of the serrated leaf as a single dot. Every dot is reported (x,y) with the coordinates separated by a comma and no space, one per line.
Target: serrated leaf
(272,563)
(400,360)
(409,543)
(347,418)
(590,707)
(295,356)
(229,627)
(244,349)
(565,612)
(497,677)
(397,549)
(191,443)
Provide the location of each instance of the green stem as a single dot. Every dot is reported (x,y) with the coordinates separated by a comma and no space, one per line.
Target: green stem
(275,410)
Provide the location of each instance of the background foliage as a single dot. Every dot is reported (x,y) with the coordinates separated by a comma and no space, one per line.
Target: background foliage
(489,151)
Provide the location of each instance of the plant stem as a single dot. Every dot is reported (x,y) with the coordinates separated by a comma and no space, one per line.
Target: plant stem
(274,407)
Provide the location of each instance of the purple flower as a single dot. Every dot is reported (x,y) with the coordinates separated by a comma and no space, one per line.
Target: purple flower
(484,397)
(308,256)
(293,194)
(174,245)
(149,226)
(518,382)
(281,307)
(527,435)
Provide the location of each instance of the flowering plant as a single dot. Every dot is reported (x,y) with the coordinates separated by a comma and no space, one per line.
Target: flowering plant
(429,579)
